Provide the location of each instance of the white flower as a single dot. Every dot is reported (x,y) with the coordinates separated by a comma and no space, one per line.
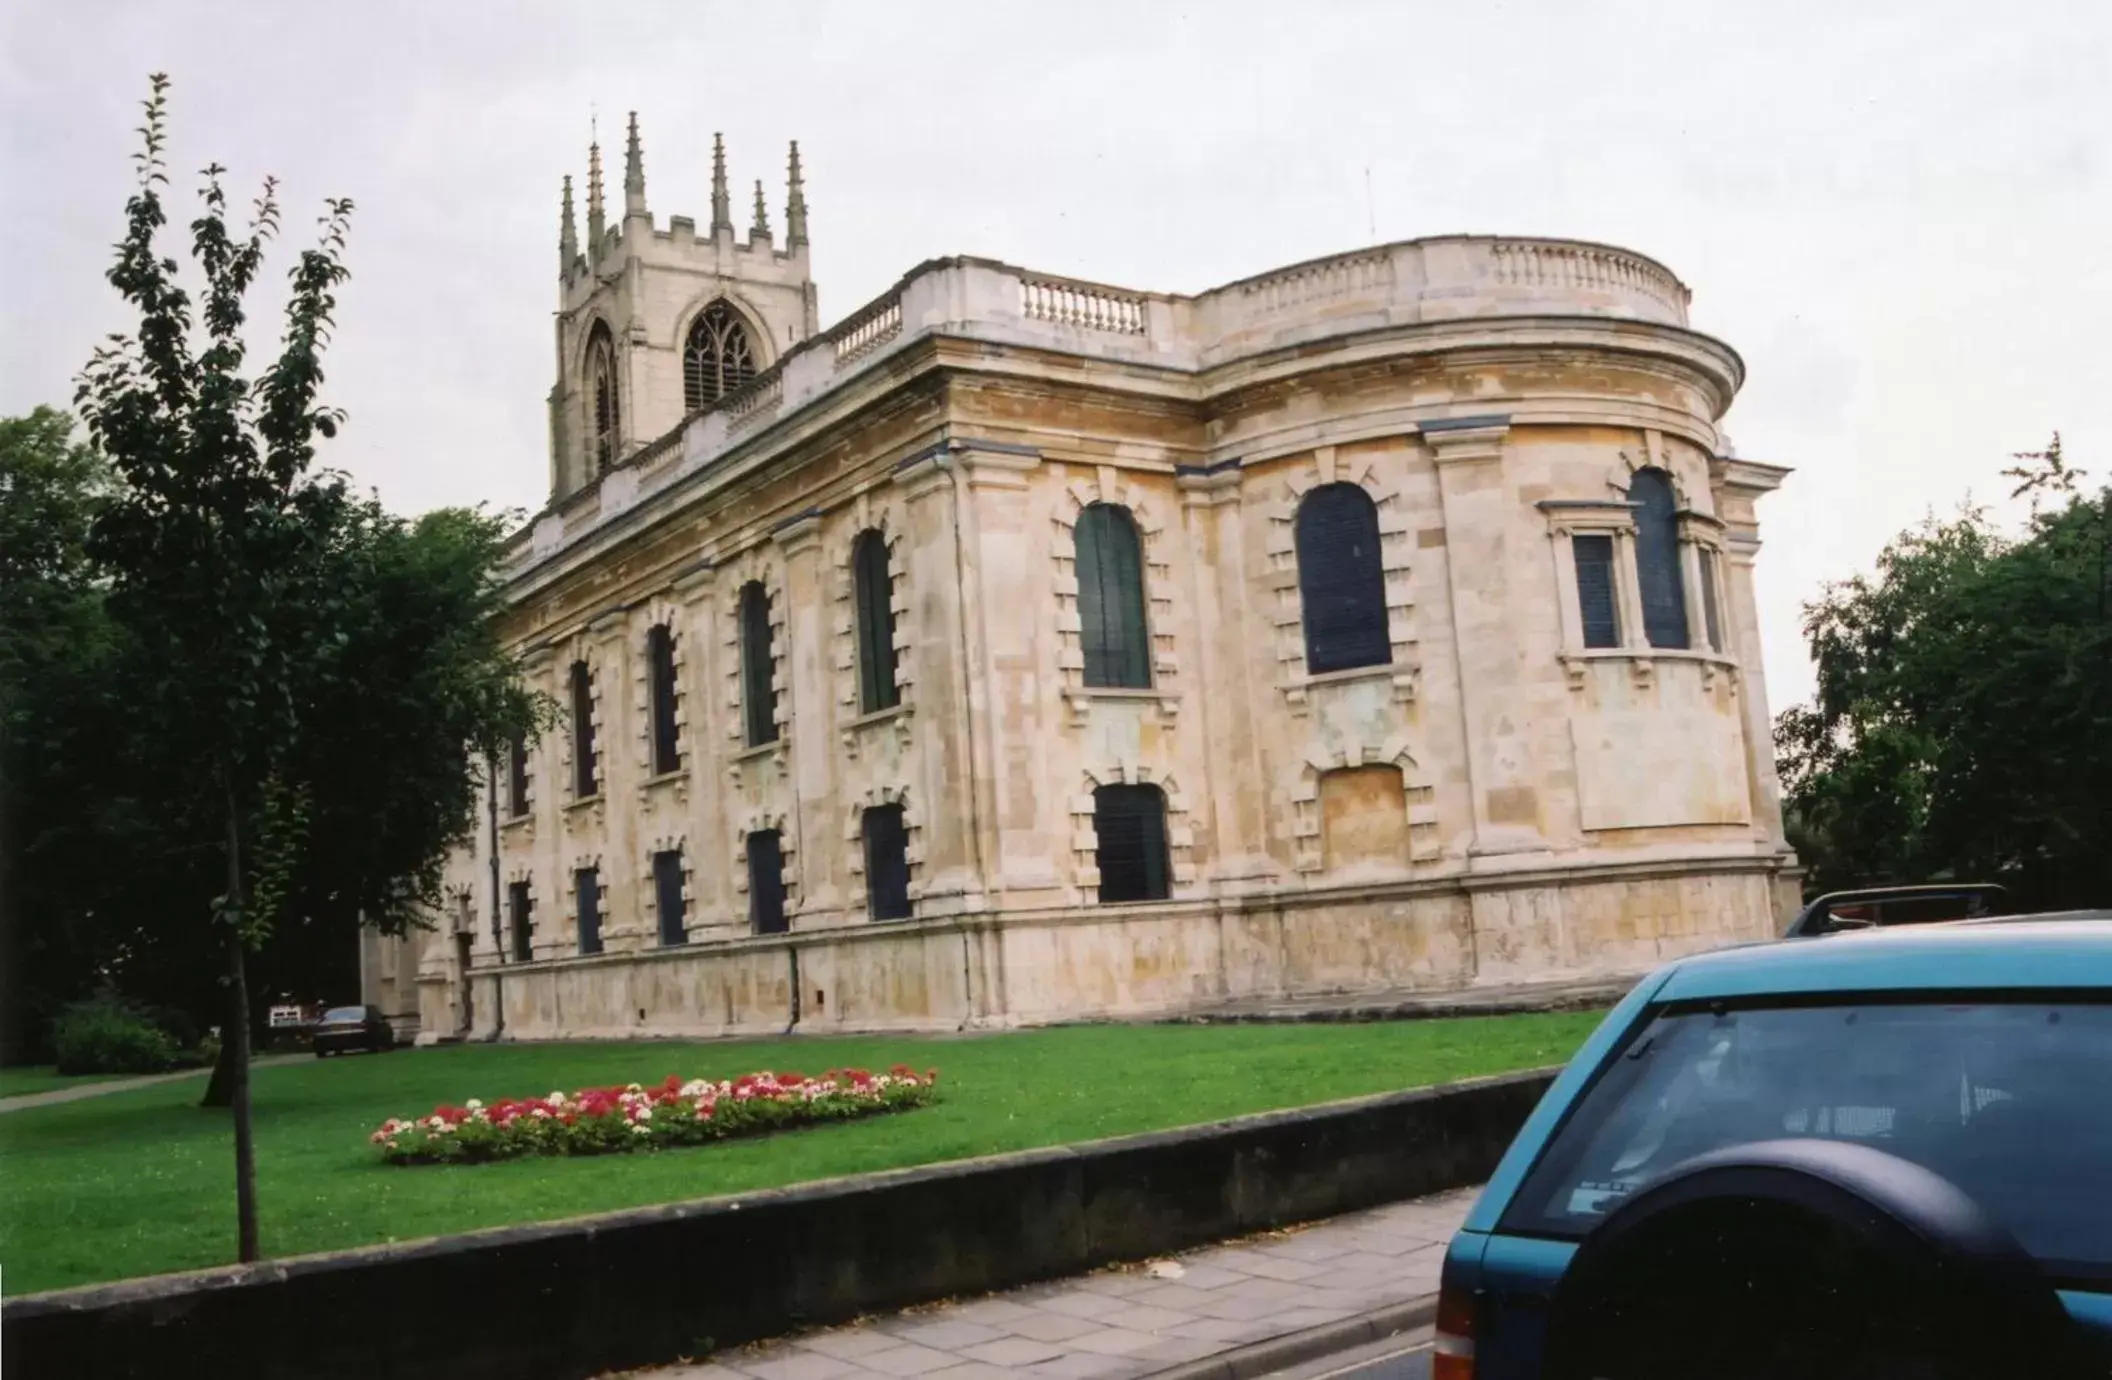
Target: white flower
(556,1099)
(473,1105)
(695,1087)
(639,1128)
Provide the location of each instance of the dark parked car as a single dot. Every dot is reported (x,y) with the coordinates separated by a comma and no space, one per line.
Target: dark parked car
(347,1028)
(1884,907)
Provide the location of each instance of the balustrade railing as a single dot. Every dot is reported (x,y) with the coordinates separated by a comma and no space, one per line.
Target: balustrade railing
(1085,305)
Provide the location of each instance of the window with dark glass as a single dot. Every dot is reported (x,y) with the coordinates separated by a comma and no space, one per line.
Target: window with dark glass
(766,882)
(667,896)
(586,883)
(717,358)
(1711,612)
(1117,642)
(887,862)
(1130,822)
(583,756)
(1657,558)
(520,902)
(874,590)
(1341,583)
(517,776)
(758,695)
(1595,590)
(660,672)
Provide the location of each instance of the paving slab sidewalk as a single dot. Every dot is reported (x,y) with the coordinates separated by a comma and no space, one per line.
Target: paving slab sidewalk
(53,1096)
(1133,1321)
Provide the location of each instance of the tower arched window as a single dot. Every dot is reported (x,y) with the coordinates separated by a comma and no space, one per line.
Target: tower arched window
(718,357)
(1341,583)
(1657,573)
(604,408)
(1111,626)
(873,587)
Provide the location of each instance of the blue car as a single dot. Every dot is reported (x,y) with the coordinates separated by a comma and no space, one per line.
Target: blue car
(1888,1154)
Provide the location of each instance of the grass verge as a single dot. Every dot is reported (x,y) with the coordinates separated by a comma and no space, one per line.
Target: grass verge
(140,1182)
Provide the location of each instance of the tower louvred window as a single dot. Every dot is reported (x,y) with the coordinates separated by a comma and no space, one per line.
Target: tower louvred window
(717,358)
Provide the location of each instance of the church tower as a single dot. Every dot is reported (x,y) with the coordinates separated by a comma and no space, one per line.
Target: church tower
(654,324)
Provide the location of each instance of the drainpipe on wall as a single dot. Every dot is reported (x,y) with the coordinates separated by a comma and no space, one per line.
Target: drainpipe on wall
(498,929)
(792,955)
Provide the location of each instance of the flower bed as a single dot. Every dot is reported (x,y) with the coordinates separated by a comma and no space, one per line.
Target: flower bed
(601,1121)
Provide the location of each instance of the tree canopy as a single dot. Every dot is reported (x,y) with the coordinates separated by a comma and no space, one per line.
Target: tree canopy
(1962,726)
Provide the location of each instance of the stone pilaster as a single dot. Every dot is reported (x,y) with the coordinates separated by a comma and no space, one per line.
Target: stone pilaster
(710,862)
(811,721)
(953,802)
(621,772)
(1482,566)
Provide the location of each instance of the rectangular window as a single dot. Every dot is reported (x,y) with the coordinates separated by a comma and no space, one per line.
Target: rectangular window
(1712,616)
(587,882)
(766,882)
(660,658)
(519,903)
(517,777)
(887,863)
(583,784)
(1595,592)
(667,896)
(1131,824)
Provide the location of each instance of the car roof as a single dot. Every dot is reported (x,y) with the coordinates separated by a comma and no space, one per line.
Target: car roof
(2069,950)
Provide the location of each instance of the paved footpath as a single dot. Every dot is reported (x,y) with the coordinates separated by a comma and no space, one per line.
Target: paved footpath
(1136,1320)
(78,1091)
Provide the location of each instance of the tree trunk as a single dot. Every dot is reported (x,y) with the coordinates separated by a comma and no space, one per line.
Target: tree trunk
(237,1040)
(220,1088)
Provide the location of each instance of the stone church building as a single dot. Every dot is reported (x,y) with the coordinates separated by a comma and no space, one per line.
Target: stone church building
(1020,649)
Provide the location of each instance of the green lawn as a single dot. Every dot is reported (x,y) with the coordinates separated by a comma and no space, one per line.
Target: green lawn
(140,1182)
(19,1082)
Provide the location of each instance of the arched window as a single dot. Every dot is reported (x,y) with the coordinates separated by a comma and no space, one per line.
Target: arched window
(873,590)
(1111,599)
(1130,824)
(1341,583)
(1657,572)
(604,408)
(717,358)
(758,695)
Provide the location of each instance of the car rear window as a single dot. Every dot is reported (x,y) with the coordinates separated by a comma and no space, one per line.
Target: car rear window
(2009,1100)
(345,1013)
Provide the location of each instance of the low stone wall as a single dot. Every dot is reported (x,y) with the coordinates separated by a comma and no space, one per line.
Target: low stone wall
(1440,936)
(574,1299)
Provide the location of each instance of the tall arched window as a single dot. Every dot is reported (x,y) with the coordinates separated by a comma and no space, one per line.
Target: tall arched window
(604,408)
(1341,583)
(1111,599)
(717,358)
(758,695)
(1657,573)
(873,590)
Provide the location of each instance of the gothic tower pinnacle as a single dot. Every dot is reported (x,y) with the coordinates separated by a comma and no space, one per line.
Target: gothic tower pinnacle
(721,201)
(633,173)
(567,236)
(795,204)
(761,229)
(597,220)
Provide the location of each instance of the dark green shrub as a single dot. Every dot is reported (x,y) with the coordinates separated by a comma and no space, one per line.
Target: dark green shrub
(110,1035)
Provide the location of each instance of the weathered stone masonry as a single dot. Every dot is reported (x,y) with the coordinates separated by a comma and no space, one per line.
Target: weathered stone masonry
(1550,757)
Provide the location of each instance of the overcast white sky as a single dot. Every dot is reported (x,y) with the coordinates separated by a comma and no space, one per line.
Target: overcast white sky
(1898,213)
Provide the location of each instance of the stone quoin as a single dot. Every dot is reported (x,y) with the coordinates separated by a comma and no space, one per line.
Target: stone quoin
(1024,649)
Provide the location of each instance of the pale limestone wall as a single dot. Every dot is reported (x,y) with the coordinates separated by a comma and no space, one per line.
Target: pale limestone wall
(1497,804)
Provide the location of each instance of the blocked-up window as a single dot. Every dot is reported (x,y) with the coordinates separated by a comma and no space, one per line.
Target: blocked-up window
(586,884)
(1596,600)
(1111,623)
(660,682)
(766,882)
(758,691)
(583,756)
(520,904)
(667,896)
(1341,580)
(1657,570)
(1363,816)
(1130,822)
(887,862)
(873,587)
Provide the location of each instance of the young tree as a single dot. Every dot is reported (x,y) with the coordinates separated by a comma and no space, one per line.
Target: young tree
(215,515)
